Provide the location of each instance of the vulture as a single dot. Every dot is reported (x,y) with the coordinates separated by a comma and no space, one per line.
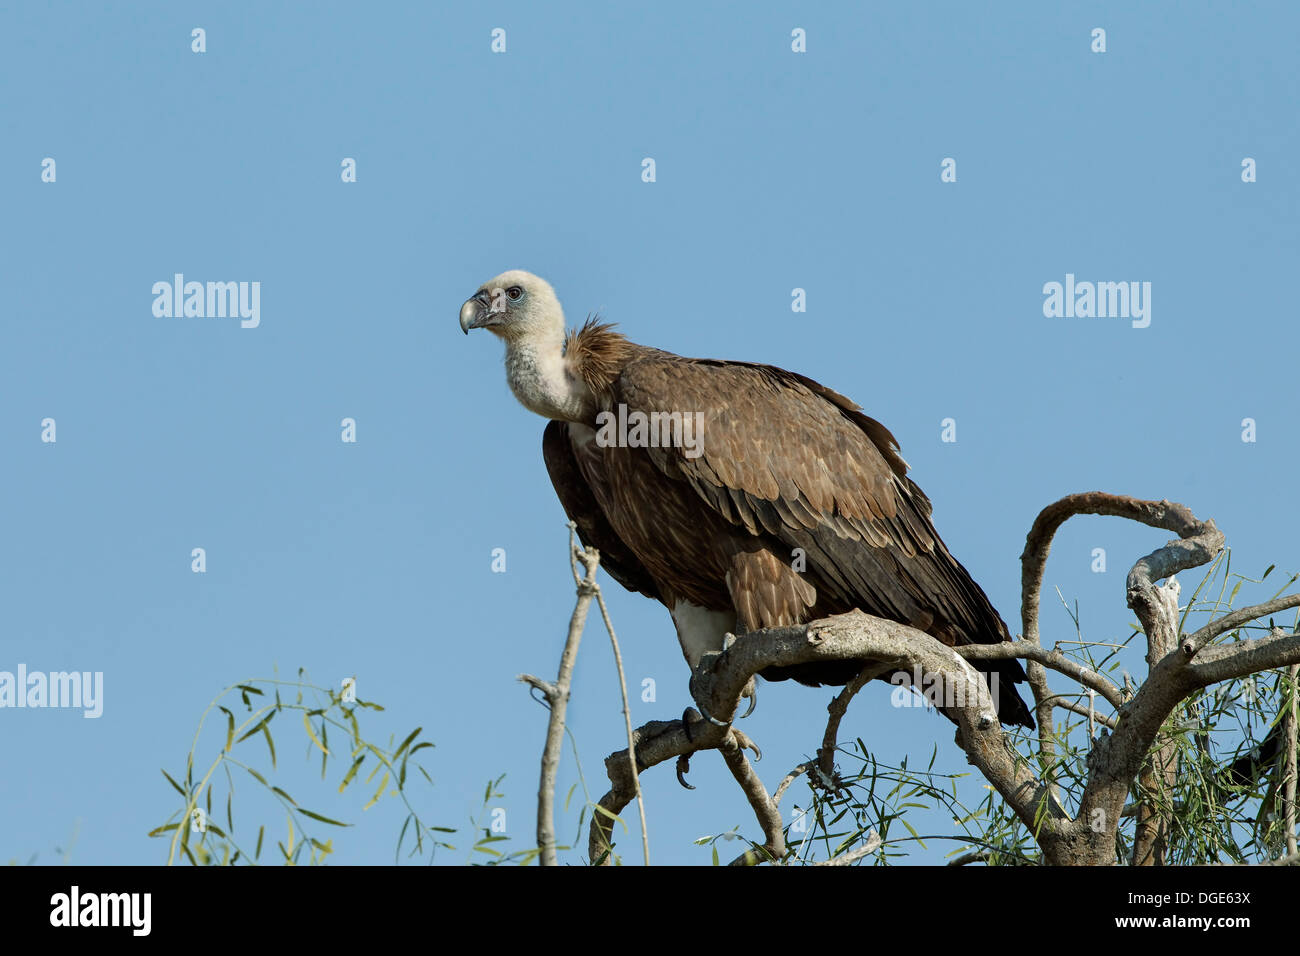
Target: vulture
(741,496)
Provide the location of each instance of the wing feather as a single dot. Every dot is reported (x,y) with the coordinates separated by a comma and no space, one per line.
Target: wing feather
(580,504)
(784,455)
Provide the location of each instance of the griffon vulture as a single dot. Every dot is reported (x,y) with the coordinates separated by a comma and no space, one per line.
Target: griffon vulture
(756,498)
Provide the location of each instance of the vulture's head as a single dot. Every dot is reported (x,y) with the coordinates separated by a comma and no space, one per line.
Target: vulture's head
(515,306)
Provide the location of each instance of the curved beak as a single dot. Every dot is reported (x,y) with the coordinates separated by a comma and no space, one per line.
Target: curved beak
(474,314)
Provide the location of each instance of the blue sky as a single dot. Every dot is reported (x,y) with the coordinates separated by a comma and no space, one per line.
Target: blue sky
(775,171)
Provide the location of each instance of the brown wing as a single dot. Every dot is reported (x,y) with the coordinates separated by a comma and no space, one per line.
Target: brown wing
(785,456)
(580,505)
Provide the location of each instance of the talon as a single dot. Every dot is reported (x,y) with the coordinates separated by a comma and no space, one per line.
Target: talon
(711,719)
(683,768)
(751,691)
(746,743)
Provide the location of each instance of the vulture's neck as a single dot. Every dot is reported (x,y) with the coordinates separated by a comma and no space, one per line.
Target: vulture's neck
(567,378)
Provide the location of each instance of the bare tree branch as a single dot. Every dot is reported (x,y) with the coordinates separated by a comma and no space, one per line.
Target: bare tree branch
(1201,542)
(1194,642)
(1220,662)
(1053,659)
(838,707)
(769,817)
(591,558)
(1291,859)
(869,847)
(557,697)
(790,778)
(1064,703)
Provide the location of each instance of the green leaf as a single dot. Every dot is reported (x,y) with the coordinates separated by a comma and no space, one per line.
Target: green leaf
(244,691)
(163,829)
(405,743)
(257,727)
(260,778)
(312,734)
(352,772)
(401,836)
(258,854)
(269,742)
(285,795)
(378,793)
(230,727)
(175,784)
(317,816)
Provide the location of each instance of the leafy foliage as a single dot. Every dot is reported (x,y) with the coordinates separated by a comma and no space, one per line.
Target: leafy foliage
(204,838)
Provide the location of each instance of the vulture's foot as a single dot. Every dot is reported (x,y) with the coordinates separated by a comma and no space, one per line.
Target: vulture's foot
(690,717)
(701,679)
(745,742)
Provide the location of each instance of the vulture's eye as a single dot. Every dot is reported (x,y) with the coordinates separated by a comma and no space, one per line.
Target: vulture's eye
(514,292)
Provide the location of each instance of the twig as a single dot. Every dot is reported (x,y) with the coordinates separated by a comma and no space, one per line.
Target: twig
(1053,659)
(790,778)
(1105,720)
(871,845)
(592,558)
(769,817)
(557,696)
(838,707)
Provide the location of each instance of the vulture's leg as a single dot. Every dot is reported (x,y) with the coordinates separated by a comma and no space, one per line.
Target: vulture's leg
(701,631)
